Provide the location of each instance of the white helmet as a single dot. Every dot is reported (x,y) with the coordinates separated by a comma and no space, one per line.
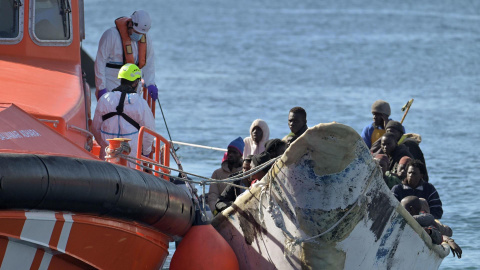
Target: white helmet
(141,21)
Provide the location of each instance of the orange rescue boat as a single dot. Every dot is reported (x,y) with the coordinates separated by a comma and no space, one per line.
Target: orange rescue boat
(60,206)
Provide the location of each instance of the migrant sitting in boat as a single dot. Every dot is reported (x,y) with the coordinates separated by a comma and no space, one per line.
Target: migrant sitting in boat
(297,122)
(232,164)
(410,140)
(427,221)
(230,193)
(413,185)
(259,135)
(393,151)
(439,232)
(273,148)
(380,111)
(121,113)
(126,42)
(402,167)
(390,179)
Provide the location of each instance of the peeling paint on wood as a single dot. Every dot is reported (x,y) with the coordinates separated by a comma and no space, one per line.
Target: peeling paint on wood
(327,175)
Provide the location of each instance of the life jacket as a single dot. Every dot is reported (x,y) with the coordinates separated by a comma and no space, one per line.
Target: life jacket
(122,24)
(120,108)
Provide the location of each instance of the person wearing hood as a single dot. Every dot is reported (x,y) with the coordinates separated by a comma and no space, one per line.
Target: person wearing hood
(231,165)
(121,113)
(259,134)
(126,42)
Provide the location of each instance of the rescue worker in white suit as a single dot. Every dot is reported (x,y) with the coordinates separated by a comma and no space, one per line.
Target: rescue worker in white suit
(126,42)
(121,113)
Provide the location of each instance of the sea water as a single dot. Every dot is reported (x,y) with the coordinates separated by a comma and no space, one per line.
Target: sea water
(221,64)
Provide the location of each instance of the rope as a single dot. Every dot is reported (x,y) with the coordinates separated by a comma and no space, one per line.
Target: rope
(164,120)
(112,153)
(292,242)
(277,217)
(207,180)
(179,164)
(203,183)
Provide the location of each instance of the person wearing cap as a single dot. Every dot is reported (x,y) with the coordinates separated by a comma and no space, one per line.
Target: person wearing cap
(126,42)
(231,165)
(410,140)
(373,132)
(394,127)
(121,113)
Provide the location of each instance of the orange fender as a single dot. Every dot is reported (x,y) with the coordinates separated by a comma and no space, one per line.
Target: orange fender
(204,248)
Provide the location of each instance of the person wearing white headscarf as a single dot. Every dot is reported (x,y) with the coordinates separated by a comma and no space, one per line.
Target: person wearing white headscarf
(259,134)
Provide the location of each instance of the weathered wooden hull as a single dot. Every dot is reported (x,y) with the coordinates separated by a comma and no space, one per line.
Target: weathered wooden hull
(324,205)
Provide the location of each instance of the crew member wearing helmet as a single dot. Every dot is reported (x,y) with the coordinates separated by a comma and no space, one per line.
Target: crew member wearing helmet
(121,113)
(126,42)
(374,131)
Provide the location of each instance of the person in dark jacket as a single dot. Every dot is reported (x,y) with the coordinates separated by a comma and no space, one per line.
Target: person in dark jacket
(230,193)
(275,147)
(232,164)
(390,179)
(297,122)
(413,185)
(393,151)
(411,141)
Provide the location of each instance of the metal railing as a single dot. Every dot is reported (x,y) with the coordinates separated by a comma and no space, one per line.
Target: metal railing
(164,159)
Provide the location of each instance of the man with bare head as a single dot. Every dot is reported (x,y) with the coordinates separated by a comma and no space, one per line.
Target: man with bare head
(297,122)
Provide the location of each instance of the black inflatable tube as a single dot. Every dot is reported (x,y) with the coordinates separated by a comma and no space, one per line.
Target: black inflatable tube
(42,182)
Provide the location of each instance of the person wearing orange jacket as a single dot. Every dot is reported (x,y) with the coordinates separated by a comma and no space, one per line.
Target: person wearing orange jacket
(126,42)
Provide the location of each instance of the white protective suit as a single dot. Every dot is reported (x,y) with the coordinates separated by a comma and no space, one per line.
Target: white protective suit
(251,148)
(117,127)
(110,50)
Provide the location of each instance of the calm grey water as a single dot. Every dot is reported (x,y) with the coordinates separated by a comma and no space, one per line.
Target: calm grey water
(221,64)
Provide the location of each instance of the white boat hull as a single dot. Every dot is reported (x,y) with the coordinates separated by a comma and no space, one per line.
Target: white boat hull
(324,205)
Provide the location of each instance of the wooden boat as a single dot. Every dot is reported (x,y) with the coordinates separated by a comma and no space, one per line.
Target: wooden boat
(324,205)
(60,206)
